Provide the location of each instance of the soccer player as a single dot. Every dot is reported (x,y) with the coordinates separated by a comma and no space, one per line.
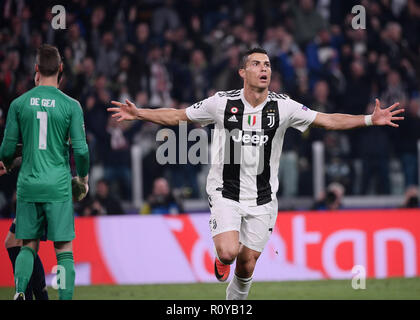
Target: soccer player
(45,118)
(36,285)
(249,125)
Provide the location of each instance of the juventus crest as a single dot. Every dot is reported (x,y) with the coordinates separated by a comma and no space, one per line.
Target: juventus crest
(271,119)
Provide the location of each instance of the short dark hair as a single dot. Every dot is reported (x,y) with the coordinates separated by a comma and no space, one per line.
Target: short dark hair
(48,60)
(245,55)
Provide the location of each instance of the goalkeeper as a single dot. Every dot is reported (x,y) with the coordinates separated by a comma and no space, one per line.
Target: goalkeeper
(45,118)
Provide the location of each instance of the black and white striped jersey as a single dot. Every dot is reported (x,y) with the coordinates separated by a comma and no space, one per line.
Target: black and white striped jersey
(247,142)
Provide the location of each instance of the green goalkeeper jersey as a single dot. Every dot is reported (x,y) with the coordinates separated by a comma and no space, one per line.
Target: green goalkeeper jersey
(45,118)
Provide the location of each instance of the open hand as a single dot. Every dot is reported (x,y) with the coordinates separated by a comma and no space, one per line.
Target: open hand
(125,111)
(385,117)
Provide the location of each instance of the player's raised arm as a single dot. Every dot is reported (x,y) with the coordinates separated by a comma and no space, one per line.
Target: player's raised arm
(379,117)
(163,116)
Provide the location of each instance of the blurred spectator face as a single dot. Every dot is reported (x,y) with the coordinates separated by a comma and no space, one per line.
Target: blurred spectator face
(393,79)
(155,54)
(197,58)
(4,36)
(357,69)
(100,83)
(90,102)
(324,36)
(98,16)
(108,39)
(26,13)
(142,32)
(74,32)
(249,20)
(16,26)
(359,35)
(195,23)
(14,60)
(142,99)
(167,51)
(269,34)
(125,63)
(299,60)
(306,5)
(104,96)
(68,53)
(102,189)
(169,3)
(393,31)
(383,65)
(257,71)
(88,66)
(161,187)
(321,91)
(414,107)
(275,84)
(21,86)
(280,33)
(180,34)
(36,40)
(245,36)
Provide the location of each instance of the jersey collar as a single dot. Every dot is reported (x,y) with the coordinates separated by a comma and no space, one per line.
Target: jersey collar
(249,106)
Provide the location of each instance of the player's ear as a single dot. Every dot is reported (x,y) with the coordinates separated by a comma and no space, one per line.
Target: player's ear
(60,68)
(36,78)
(36,68)
(241,72)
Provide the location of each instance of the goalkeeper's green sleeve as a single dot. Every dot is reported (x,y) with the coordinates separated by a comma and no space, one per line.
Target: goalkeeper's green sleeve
(78,140)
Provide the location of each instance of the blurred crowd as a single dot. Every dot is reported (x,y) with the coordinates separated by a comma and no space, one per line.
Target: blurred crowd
(174,53)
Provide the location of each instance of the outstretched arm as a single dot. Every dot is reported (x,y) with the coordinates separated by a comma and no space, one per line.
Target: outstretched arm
(163,116)
(379,117)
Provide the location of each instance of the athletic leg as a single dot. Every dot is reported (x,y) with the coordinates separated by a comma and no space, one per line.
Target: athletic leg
(227,246)
(24,264)
(225,223)
(30,226)
(254,235)
(13,246)
(60,220)
(37,282)
(240,284)
(65,263)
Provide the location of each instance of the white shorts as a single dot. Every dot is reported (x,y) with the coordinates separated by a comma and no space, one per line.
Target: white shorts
(254,223)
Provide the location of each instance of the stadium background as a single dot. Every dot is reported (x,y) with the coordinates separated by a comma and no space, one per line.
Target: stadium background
(174,53)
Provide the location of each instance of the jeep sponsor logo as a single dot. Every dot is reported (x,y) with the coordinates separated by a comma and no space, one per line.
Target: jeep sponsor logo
(255,139)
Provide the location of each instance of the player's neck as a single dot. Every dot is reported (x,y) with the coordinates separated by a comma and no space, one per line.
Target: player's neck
(255,96)
(48,81)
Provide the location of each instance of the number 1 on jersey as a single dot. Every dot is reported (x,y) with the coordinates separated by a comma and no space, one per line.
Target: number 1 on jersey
(43,122)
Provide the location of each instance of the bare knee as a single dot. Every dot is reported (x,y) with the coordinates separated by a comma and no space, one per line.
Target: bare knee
(227,246)
(227,255)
